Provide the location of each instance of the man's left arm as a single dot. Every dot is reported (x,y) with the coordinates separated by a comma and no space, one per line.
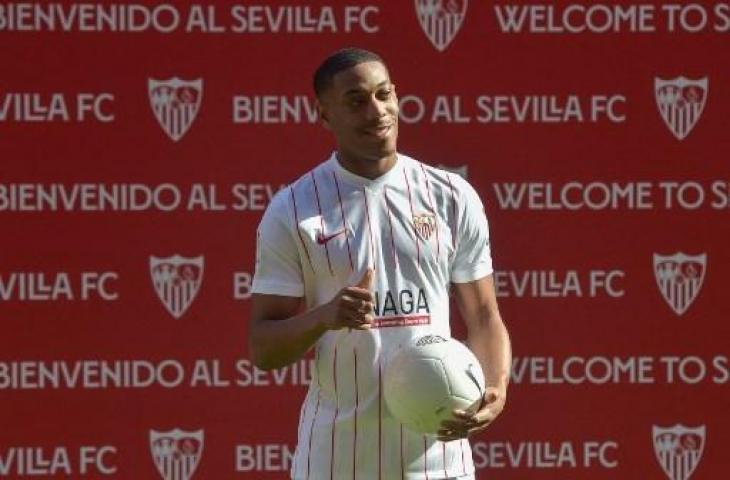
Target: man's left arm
(487,337)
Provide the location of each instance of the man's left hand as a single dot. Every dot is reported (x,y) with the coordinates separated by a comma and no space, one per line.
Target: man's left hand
(467,423)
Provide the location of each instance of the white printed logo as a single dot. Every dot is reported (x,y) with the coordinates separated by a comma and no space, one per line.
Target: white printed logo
(176,453)
(460,171)
(678,449)
(441,20)
(679,278)
(176,103)
(681,102)
(177,281)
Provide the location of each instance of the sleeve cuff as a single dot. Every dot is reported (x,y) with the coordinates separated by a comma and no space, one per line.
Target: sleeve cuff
(275,288)
(471,273)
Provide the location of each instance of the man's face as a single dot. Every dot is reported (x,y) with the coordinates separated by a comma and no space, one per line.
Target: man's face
(361,110)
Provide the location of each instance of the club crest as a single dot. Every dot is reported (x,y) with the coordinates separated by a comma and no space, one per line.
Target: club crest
(175,103)
(441,20)
(679,278)
(177,281)
(460,171)
(176,453)
(681,102)
(678,449)
(424,225)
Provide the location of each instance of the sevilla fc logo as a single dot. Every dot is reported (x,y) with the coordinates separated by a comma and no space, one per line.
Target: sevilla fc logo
(680,103)
(177,281)
(460,171)
(424,225)
(176,453)
(441,20)
(679,278)
(678,449)
(176,103)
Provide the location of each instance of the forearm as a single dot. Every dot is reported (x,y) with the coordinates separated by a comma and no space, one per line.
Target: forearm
(277,343)
(491,345)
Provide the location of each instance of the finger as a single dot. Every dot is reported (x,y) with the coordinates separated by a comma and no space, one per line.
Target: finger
(359,293)
(457,425)
(490,397)
(356,305)
(366,281)
(478,429)
(485,416)
(362,326)
(352,319)
(463,414)
(446,435)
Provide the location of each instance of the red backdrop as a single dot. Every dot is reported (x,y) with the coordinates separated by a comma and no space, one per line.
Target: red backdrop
(140,144)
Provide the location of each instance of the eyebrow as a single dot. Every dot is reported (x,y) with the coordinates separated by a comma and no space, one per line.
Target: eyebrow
(353,91)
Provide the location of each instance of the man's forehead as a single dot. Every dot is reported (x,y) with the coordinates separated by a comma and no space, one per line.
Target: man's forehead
(365,76)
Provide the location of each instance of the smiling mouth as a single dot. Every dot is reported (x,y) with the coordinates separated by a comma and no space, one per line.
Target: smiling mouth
(380,131)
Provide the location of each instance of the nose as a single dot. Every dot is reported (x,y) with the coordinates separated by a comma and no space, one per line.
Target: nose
(376,108)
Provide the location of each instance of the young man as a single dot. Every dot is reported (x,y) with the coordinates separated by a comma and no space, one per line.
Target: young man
(367,245)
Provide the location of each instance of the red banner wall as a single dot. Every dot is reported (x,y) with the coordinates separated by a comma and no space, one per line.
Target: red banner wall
(141,142)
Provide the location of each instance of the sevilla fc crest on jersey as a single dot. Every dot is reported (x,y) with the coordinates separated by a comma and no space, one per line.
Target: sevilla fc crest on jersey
(175,103)
(424,225)
(681,102)
(678,449)
(176,453)
(441,20)
(177,281)
(679,278)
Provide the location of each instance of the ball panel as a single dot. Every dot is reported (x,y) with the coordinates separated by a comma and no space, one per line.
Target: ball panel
(428,378)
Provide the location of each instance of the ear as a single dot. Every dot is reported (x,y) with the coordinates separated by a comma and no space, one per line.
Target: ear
(323,115)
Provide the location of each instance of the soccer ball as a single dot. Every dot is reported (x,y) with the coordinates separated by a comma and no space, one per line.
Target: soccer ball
(429,377)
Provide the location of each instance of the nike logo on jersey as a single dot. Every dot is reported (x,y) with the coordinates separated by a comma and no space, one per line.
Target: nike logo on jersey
(322,239)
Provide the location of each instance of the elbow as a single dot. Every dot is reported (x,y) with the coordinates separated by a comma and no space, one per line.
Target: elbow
(264,362)
(260,358)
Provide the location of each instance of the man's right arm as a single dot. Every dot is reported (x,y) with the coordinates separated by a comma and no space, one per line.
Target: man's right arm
(279,336)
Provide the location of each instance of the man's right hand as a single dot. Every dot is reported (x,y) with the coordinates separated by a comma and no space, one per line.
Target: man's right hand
(352,307)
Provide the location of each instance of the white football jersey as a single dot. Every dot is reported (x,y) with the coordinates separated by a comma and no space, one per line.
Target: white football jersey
(419,228)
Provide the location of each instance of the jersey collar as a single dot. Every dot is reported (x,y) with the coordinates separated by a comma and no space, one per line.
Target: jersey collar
(373,183)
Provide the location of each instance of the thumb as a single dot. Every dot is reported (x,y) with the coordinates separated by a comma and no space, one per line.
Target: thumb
(367,279)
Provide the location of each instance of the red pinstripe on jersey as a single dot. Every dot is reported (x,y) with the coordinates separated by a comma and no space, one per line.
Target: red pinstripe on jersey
(370,227)
(443,449)
(334,420)
(413,216)
(299,233)
(433,211)
(380,420)
(453,212)
(463,462)
(390,223)
(344,223)
(321,219)
(354,436)
(311,431)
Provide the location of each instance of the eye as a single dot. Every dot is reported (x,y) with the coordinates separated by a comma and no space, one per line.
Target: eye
(356,101)
(384,94)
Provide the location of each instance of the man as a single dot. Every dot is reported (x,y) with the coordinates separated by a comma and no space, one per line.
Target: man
(357,257)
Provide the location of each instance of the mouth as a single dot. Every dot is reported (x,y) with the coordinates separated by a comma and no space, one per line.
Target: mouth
(379,131)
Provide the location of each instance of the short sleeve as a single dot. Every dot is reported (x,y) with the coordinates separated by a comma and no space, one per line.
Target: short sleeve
(473,258)
(278,265)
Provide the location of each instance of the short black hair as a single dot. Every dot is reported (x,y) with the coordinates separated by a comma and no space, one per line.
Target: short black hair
(339,61)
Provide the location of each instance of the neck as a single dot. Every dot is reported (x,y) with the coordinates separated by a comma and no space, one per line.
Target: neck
(370,168)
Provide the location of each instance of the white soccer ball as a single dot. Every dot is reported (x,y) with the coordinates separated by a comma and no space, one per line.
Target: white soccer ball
(429,377)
